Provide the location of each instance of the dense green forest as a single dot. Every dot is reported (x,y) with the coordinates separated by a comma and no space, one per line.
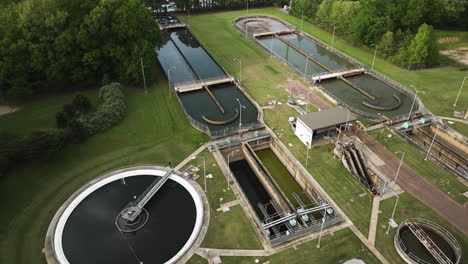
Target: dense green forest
(402,30)
(51,45)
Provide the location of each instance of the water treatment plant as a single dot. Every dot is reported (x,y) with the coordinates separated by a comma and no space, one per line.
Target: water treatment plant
(354,86)
(265,180)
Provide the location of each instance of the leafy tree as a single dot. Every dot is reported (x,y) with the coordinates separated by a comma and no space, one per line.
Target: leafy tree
(307,7)
(387,44)
(42,144)
(61,120)
(423,49)
(115,35)
(81,103)
(76,132)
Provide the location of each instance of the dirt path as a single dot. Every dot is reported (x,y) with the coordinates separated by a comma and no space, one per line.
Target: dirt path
(298,89)
(419,187)
(4,109)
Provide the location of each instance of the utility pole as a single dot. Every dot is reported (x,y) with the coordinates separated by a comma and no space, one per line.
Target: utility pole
(143,73)
(375,53)
(459,91)
(432,142)
(333,39)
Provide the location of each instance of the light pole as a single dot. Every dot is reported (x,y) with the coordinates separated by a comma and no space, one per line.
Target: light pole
(459,91)
(414,100)
(240,113)
(394,181)
(399,166)
(308,145)
(432,142)
(204,169)
(308,94)
(143,73)
(393,213)
(375,53)
(169,77)
(333,39)
(321,229)
(305,72)
(247,6)
(240,69)
(346,124)
(230,173)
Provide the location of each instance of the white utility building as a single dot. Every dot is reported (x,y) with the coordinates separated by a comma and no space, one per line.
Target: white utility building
(317,125)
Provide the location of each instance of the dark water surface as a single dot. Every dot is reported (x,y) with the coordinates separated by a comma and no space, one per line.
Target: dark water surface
(91,237)
(198,103)
(413,245)
(169,56)
(196,55)
(380,90)
(251,185)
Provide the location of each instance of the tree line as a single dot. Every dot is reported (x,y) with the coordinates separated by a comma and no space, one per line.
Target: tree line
(402,30)
(200,5)
(56,45)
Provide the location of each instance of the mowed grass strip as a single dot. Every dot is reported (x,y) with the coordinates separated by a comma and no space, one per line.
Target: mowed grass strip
(155,131)
(337,248)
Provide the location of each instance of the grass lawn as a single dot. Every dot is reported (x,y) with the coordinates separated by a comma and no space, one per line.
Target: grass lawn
(230,230)
(40,113)
(216,32)
(409,207)
(340,247)
(155,131)
(460,127)
(438,176)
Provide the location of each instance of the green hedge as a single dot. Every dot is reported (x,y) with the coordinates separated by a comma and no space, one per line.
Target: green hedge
(112,110)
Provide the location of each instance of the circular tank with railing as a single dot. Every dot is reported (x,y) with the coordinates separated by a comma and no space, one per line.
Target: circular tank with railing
(424,242)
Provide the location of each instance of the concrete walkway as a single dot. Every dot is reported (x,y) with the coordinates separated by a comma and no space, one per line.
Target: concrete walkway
(189,158)
(374,220)
(371,247)
(453,119)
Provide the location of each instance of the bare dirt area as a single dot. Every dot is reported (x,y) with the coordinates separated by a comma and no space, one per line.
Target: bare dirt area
(448,40)
(298,89)
(4,109)
(458,54)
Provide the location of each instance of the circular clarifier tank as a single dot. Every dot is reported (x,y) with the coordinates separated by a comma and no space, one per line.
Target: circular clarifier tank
(89,227)
(415,236)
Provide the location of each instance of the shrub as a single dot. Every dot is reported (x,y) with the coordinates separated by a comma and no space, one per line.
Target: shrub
(111,111)
(76,132)
(42,144)
(61,120)
(82,104)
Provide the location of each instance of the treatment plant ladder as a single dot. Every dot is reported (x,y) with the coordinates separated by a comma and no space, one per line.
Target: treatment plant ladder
(428,243)
(135,208)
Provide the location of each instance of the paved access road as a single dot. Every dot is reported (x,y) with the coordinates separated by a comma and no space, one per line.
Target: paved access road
(419,187)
